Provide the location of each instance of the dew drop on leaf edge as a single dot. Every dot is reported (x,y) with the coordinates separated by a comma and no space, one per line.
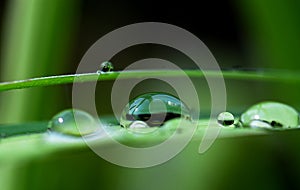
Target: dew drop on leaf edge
(153,110)
(225,119)
(270,115)
(73,122)
(106,66)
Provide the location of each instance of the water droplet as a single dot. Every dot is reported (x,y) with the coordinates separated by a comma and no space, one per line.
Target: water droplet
(106,66)
(225,119)
(73,122)
(153,109)
(273,115)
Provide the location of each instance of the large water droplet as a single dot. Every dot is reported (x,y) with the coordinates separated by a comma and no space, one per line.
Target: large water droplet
(225,119)
(106,66)
(73,122)
(153,109)
(271,115)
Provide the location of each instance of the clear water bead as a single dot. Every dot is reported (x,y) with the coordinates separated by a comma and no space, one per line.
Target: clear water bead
(73,122)
(153,109)
(270,115)
(225,119)
(106,66)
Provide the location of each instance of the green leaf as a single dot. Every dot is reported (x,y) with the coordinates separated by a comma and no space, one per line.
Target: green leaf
(282,76)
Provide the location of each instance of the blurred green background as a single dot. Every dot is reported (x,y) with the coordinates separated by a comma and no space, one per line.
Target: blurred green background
(49,37)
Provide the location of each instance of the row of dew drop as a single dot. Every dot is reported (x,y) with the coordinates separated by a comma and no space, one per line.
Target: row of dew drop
(148,112)
(143,114)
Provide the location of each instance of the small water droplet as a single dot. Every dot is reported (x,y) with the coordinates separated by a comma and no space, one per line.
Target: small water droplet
(73,122)
(225,119)
(153,110)
(106,66)
(271,115)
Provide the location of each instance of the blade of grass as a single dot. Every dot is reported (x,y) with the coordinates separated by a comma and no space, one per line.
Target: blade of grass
(87,77)
(10,130)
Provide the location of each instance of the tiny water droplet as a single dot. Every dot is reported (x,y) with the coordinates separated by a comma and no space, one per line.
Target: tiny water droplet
(73,122)
(272,115)
(153,109)
(106,66)
(225,119)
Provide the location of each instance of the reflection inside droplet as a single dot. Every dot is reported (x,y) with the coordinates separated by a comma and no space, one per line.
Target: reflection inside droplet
(138,125)
(153,109)
(141,127)
(259,124)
